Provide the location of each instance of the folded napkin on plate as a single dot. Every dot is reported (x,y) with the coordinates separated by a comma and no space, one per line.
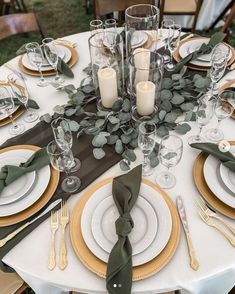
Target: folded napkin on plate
(10,173)
(204,49)
(119,271)
(227,158)
(62,67)
(31,103)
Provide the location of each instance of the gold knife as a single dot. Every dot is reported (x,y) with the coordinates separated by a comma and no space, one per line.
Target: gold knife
(182,213)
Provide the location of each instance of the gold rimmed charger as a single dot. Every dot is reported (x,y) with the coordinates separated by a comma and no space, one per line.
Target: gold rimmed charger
(20,110)
(73,60)
(178,58)
(224,87)
(99,267)
(205,191)
(41,202)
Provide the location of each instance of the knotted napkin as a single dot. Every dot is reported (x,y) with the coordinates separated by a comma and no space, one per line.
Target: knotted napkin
(226,158)
(10,173)
(204,49)
(119,271)
(62,67)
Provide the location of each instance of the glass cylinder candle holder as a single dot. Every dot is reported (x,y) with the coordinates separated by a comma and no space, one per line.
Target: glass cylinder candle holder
(106,52)
(145,76)
(142,22)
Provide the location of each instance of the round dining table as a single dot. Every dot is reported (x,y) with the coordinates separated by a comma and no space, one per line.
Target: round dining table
(216,256)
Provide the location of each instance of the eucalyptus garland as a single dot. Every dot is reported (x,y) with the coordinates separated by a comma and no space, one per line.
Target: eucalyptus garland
(178,98)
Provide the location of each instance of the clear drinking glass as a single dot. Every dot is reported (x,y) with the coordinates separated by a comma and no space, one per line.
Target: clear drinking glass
(204,113)
(64,138)
(219,59)
(96,26)
(170,153)
(222,111)
(22,94)
(35,56)
(146,142)
(141,26)
(164,35)
(52,57)
(173,43)
(62,160)
(111,24)
(7,107)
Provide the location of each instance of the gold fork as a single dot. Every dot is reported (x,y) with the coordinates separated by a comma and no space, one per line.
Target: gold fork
(209,212)
(54,227)
(209,221)
(64,219)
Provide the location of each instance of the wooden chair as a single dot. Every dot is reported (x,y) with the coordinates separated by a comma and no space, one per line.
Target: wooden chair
(18,23)
(181,7)
(104,7)
(11,283)
(7,6)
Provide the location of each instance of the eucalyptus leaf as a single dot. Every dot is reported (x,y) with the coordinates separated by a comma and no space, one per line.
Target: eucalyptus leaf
(126,106)
(129,155)
(134,143)
(87,89)
(74,126)
(117,105)
(125,139)
(170,155)
(182,128)
(119,147)
(98,153)
(114,120)
(165,94)
(162,131)
(167,83)
(162,114)
(166,105)
(177,99)
(171,117)
(58,109)
(124,166)
(70,111)
(100,123)
(187,106)
(112,139)
(46,118)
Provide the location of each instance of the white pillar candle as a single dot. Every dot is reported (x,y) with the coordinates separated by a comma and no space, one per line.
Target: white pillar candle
(145,97)
(142,62)
(108,86)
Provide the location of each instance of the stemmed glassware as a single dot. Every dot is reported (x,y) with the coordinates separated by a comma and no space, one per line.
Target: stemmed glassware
(7,107)
(204,113)
(52,57)
(146,142)
(96,26)
(164,35)
(170,153)
(64,138)
(173,43)
(62,160)
(35,55)
(219,59)
(22,94)
(222,111)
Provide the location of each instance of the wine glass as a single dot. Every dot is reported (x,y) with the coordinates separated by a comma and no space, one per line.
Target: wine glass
(64,138)
(222,111)
(62,160)
(52,57)
(219,59)
(7,107)
(35,56)
(22,94)
(204,113)
(164,35)
(146,142)
(173,43)
(170,153)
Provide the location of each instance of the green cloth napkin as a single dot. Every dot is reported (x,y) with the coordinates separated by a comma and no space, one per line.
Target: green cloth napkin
(62,67)
(204,49)
(226,158)
(31,103)
(119,270)
(10,173)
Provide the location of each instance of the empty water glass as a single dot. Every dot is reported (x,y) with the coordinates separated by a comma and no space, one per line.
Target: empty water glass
(170,153)
(96,26)
(146,142)
(164,36)
(173,43)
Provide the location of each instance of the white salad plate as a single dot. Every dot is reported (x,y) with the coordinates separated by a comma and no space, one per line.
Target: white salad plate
(228,176)
(138,39)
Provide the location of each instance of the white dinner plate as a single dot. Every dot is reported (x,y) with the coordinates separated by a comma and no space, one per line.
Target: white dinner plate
(26,62)
(40,185)
(5,115)
(228,177)
(214,182)
(19,187)
(162,212)
(141,236)
(138,38)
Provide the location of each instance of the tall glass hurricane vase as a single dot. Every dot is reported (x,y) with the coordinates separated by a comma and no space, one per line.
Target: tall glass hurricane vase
(145,76)
(106,51)
(142,22)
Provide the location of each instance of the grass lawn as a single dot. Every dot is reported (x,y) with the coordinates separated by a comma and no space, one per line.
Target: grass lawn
(58,18)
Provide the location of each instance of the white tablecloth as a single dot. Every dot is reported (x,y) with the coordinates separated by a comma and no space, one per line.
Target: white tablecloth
(210,10)
(216,274)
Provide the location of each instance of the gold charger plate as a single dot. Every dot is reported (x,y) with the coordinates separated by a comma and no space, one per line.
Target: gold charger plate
(99,267)
(18,111)
(224,87)
(41,202)
(73,60)
(177,56)
(205,191)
